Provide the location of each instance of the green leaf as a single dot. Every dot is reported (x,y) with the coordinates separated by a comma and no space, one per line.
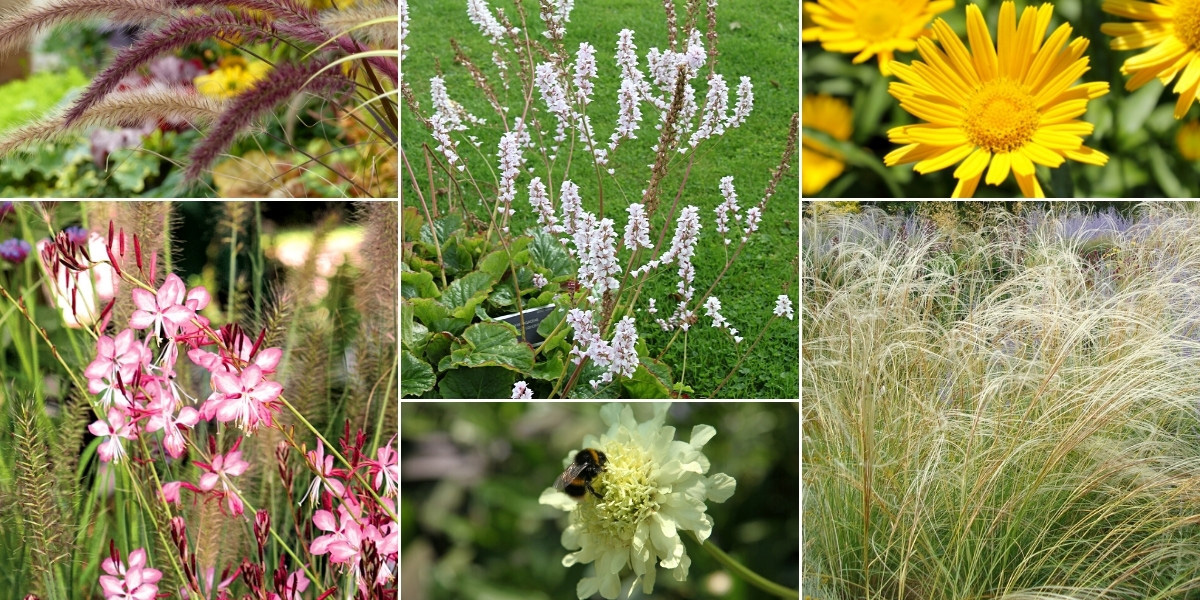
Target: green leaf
(416,376)
(503,296)
(546,327)
(492,383)
(547,253)
(456,257)
(549,370)
(411,333)
(495,264)
(417,284)
(437,346)
(410,223)
(429,311)
(130,169)
(1163,173)
(444,227)
(652,379)
(1136,107)
(462,296)
(451,325)
(583,387)
(489,344)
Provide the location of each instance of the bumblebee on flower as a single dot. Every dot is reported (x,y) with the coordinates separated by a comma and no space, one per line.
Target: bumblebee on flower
(654,487)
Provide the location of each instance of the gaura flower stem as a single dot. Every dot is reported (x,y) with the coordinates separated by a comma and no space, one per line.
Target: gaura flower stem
(751,577)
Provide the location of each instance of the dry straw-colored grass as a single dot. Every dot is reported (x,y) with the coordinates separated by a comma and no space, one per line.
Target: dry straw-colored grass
(1004,414)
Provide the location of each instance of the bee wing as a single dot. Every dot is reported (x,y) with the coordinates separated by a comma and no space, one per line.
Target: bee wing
(573,471)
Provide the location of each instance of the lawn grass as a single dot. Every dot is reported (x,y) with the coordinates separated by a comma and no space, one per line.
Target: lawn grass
(756,39)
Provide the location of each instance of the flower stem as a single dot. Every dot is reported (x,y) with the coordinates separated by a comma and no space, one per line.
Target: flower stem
(750,576)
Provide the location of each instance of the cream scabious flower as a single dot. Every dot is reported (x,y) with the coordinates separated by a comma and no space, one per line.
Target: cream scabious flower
(653,488)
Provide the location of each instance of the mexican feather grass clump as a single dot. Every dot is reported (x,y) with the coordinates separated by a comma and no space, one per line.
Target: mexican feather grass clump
(1004,414)
(332,60)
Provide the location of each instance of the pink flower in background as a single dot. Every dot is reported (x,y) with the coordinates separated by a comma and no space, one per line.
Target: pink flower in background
(116,427)
(161,412)
(129,582)
(125,355)
(323,465)
(245,398)
(222,468)
(295,583)
(163,311)
(386,468)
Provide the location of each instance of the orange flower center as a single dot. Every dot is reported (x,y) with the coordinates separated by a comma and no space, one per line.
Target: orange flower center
(1187,23)
(877,21)
(1001,117)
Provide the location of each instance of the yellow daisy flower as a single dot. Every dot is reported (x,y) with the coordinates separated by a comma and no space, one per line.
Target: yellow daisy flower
(870,27)
(1173,28)
(1010,105)
(1188,140)
(233,77)
(819,163)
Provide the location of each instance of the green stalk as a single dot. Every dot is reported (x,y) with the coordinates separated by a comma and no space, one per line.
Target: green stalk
(744,572)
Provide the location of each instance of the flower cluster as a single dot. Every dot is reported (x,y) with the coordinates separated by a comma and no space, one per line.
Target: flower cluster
(619,356)
(128,582)
(783,306)
(712,308)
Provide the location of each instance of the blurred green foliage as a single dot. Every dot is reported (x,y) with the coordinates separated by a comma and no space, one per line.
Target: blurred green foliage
(472,528)
(1135,129)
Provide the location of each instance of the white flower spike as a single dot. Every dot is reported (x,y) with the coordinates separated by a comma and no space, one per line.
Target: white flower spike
(654,488)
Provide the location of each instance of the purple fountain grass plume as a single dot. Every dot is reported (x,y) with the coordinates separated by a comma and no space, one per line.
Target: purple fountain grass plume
(384,34)
(17,26)
(280,84)
(130,107)
(177,34)
(389,68)
(280,9)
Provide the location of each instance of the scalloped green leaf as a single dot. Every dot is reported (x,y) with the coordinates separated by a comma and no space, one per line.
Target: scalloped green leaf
(417,284)
(429,311)
(652,379)
(549,370)
(545,252)
(444,227)
(491,383)
(416,376)
(467,292)
(489,344)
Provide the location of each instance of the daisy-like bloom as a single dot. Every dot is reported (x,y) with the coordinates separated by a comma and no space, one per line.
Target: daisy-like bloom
(233,77)
(871,27)
(1172,27)
(654,488)
(1188,140)
(822,164)
(1011,105)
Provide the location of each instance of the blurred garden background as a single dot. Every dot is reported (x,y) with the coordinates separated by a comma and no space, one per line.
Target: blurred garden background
(472,527)
(848,113)
(756,39)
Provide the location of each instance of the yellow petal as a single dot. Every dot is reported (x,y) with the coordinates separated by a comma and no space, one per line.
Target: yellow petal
(999,170)
(966,187)
(946,159)
(973,167)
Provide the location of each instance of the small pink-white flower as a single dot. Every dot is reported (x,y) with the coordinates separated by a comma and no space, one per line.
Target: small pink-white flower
(595,244)
(712,308)
(163,311)
(624,351)
(161,413)
(783,306)
(541,203)
(572,205)
(745,102)
(540,281)
(521,391)
(245,398)
(293,586)
(326,475)
(129,582)
(223,467)
(728,207)
(753,216)
(115,427)
(386,469)
(585,72)
(716,106)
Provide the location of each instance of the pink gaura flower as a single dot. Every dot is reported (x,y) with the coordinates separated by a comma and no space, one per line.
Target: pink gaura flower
(243,397)
(386,469)
(164,311)
(327,476)
(129,582)
(292,587)
(222,468)
(116,428)
(161,413)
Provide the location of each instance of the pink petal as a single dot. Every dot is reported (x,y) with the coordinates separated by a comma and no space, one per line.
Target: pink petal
(266,391)
(251,376)
(99,429)
(172,291)
(208,481)
(188,416)
(227,383)
(269,359)
(198,298)
(325,521)
(321,544)
(141,319)
(112,586)
(178,314)
(145,301)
